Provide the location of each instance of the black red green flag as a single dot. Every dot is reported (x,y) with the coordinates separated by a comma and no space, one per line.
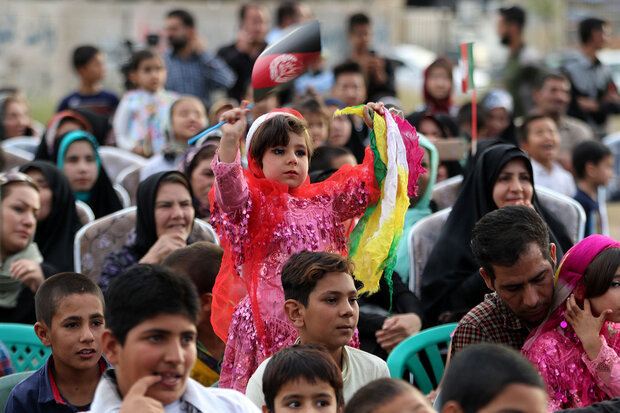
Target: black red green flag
(287,59)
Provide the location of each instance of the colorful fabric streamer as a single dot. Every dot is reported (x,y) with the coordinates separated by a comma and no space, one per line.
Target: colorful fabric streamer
(374,240)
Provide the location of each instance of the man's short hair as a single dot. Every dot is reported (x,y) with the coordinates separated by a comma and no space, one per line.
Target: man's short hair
(524,129)
(310,362)
(358,19)
(56,288)
(588,151)
(199,261)
(589,25)
(145,291)
(549,75)
(184,16)
(303,270)
(84,54)
(514,14)
(501,236)
(286,10)
(377,393)
(348,66)
(480,372)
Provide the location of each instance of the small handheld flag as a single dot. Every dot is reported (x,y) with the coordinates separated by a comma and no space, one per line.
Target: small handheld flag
(287,59)
(467,71)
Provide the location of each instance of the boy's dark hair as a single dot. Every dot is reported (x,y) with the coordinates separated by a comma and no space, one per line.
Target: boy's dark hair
(323,157)
(143,292)
(200,262)
(549,75)
(600,272)
(208,152)
(311,105)
(138,57)
(524,130)
(83,54)
(587,26)
(183,15)
(56,288)
(377,393)
(346,67)
(514,14)
(358,19)
(274,132)
(310,362)
(463,117)
(303,270)
(479,373)
(501,236)
(287,9)
(589,151)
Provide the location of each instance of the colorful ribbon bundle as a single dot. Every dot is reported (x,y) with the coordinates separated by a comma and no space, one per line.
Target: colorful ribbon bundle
(374,240)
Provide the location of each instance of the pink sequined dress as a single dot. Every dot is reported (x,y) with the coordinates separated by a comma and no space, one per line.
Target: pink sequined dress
(260,228)
(573,380)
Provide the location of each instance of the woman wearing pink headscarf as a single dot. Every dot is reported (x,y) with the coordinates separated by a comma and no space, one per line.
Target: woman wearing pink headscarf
(576,349)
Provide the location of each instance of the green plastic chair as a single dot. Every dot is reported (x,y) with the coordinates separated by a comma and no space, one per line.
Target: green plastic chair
(27,351)
(7,383)
(406,356)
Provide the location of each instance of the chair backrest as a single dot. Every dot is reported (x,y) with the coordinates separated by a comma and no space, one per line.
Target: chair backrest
(421,239)
(14,158)
(568,211)
(129,178)
(29,144)
(114,160)
(406,357)
(85,213)
(445,192)
(94,241)
(122,195)
(27,351)
(7,383)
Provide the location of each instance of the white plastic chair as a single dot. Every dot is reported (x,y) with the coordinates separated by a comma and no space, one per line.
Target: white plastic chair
(566,210)
(114,160)
(129,178)
(15,157)
(122,195)
(85,213)
(446,192)
(24,143)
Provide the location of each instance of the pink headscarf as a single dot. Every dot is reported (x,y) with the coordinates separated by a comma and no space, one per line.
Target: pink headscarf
(569,279)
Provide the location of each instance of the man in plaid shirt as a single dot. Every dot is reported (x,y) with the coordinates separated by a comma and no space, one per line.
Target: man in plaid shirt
(517,263)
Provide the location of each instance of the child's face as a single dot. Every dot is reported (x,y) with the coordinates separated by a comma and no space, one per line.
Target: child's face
(339,131)
(202,180)
(94,70)
(602,172)
(151,74)
(330,318)
(287,164)
(188,118)
(409,401)
(543,140)
(439,84)
(80,165)
(317,128)
(302,396)
(350,88)
(164,345)
(75,333)
(609,300)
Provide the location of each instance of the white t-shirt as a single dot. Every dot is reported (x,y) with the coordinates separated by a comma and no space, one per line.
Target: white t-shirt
(358,369)
(559,179)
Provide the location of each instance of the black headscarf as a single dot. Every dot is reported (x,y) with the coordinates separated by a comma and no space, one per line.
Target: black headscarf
(146,230)
(451,282)
(55,233)
(103,198)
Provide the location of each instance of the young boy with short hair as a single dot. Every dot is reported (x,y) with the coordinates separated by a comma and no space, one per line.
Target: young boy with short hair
(89,63)
(593,164)
(305,376)
(321,302)
(150,340)
(539,137)
(69,309)
(200,262)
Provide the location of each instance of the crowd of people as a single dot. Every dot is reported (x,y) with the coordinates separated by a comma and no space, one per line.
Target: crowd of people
(272,309)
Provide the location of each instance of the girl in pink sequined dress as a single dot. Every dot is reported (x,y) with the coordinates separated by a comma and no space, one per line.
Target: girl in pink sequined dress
(264,215)
(576,349)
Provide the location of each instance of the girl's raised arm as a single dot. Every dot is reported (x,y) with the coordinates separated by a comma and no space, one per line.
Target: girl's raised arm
(232,131)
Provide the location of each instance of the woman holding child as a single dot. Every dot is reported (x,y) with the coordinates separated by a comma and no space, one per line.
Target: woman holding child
(577,349)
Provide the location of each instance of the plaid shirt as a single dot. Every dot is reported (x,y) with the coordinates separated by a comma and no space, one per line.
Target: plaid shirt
(490,321)
(198,75)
